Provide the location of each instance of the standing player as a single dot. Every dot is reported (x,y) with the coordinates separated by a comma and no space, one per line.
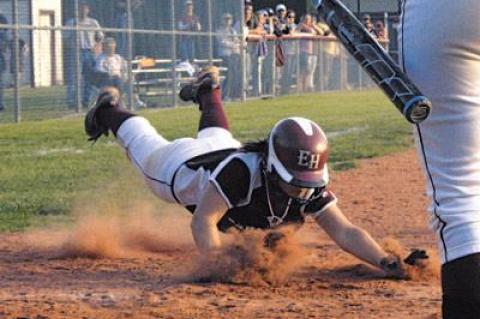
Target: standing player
(440,51)
(277,181)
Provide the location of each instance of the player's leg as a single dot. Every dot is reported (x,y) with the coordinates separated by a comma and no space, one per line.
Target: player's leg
(446,67)
(207,93)
(461,288)
(213,113)
(145,148)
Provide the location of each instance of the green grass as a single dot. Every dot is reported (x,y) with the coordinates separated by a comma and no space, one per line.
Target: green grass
(47,168)
(36,104)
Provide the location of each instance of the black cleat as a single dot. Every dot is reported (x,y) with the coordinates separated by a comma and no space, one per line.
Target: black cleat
(108,98)
(207,79)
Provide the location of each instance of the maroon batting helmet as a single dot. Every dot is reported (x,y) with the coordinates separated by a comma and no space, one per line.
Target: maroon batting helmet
(298,152)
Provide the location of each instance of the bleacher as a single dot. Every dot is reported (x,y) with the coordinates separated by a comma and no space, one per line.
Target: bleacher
(160,77)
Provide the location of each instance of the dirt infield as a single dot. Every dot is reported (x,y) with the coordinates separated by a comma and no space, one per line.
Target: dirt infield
(138,268)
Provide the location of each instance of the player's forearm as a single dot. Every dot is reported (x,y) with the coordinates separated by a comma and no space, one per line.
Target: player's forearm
(350,237)
(359,243)
(205,219)
(205,234)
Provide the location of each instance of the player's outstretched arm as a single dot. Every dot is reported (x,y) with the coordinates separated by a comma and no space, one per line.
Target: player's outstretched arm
(350,237)
(208,213)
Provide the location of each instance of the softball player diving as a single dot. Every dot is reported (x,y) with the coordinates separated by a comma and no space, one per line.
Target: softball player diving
(440,51)
(280,180)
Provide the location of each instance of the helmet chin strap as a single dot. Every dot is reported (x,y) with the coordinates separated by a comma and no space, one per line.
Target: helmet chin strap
(274,219)
(306,194)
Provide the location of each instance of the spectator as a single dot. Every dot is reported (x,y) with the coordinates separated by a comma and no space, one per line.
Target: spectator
(111,68)
(290,67)
(263,28)
(281,26)
(189,22)
(259,52)
(121,22)
(382,33)
(322,27)
(367,22)
(3,58)
(271,22)
(271,27)
(250,20)
(250,25)
(271,13)
(90,41)
(308,58)
(229,45)
(330,55)
(291,18)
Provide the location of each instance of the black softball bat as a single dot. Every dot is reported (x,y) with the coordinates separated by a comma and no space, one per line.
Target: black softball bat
(375,60)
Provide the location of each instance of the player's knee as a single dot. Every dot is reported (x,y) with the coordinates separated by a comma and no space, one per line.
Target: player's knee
(461,288)
(214,132)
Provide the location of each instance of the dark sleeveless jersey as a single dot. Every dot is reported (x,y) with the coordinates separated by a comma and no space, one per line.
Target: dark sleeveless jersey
(253,201)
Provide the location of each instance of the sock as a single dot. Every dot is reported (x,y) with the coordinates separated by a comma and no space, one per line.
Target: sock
(213,114)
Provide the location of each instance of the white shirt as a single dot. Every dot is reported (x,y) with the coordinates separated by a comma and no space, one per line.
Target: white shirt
(88,38)
(114,65)
(228,41)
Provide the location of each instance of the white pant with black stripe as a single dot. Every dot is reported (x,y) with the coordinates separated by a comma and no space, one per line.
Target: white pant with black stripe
(159,160)
(440,51)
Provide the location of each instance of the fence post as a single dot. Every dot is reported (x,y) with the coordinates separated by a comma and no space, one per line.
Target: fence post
(210,31)
(360,77)
(78,65)
(274,66)
(387,31)
(174,54)
(243,51)
(343,68)
(321,64)
(131,103)
(297,61)
(16,76)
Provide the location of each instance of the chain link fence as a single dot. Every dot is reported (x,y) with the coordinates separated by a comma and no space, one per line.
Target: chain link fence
(56,54)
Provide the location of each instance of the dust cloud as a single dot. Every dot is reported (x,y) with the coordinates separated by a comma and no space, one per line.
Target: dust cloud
(425,270)
(245,259)
(111,232)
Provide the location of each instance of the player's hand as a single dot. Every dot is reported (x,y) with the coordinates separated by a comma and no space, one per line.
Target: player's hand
(395,268)
(272,239)
(392,266)
(415,256)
